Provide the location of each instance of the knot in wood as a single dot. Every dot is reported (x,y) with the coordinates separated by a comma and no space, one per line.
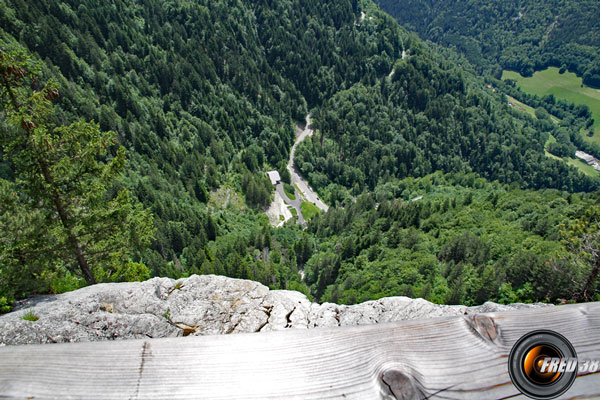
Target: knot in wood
(402,385)
(486,327)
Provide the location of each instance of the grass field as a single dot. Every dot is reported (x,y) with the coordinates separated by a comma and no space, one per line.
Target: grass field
(521,106)
(582,166)
(309,210)
(565,86)
(528,109)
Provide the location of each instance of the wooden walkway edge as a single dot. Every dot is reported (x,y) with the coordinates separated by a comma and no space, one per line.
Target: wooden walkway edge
(445,358)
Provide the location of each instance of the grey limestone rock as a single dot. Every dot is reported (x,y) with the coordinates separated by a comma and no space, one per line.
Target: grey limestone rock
(199,305)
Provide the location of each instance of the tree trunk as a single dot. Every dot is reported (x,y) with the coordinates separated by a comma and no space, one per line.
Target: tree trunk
(73,242)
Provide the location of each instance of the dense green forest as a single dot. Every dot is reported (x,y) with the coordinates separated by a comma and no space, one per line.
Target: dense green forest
(202,95)
(455,239)
(197,98)
(427,118)
(520,35)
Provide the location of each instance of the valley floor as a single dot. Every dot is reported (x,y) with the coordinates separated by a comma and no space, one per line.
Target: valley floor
(276,210)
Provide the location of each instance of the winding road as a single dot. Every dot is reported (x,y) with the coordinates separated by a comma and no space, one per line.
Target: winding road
(296,178)
(303,192)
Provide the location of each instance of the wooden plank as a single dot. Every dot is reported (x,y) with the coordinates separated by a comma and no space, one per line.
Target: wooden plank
(446,358)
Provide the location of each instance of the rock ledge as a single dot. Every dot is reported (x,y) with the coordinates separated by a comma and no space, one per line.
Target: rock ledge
(200,305)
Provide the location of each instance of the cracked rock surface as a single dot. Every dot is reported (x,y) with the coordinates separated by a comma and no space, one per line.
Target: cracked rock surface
(199,305)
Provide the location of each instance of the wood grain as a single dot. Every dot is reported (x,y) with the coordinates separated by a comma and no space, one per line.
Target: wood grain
(445,358)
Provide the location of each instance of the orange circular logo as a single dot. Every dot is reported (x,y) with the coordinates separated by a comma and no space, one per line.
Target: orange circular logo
(542,364)
(534,362)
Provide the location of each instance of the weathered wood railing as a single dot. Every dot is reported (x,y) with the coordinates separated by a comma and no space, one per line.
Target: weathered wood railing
(456,357)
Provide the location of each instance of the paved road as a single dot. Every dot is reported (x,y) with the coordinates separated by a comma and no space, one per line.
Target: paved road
(296,178)
(294,203)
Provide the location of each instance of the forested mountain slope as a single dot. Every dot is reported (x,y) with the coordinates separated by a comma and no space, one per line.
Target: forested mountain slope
(430,116)
(521,35)
(204,95)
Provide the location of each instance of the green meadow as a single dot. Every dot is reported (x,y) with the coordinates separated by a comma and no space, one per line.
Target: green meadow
(582,166)
(309,210)
(575,162)
(565,86)
(521,106)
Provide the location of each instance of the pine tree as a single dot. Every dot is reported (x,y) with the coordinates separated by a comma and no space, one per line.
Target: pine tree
(64,208)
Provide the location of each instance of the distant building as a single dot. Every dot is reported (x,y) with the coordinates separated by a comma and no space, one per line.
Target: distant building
(274,176)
